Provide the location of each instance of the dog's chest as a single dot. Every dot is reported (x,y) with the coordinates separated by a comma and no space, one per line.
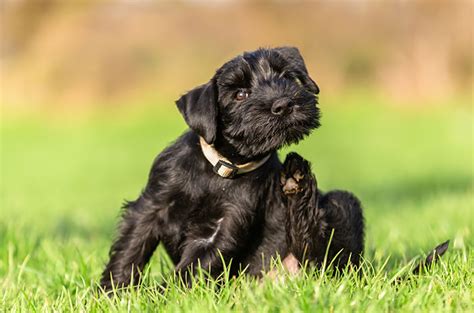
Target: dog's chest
(217,209)
(216,198)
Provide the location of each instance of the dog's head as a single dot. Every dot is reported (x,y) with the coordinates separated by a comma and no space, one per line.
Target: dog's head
(257,102)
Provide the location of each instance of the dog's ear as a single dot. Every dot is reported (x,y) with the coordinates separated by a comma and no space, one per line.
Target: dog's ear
(199,109)
(309,83)
(293,56)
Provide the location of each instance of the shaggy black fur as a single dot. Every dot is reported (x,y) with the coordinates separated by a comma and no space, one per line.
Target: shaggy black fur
(320,225)
(254,104)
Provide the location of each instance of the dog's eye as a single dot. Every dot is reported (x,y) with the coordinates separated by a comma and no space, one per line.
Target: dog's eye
(241,95)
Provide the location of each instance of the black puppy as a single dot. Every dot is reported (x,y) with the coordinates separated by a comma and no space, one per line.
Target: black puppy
(215,193)
(319,227)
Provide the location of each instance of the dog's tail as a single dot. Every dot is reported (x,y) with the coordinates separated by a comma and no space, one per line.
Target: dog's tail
(432,257)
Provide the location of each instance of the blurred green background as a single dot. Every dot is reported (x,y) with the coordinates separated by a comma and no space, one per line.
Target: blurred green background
(87,96)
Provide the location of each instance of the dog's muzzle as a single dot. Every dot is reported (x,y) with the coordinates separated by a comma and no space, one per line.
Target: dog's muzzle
(223,167)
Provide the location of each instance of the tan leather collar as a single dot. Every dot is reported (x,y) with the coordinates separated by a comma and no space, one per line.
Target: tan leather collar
(225,168)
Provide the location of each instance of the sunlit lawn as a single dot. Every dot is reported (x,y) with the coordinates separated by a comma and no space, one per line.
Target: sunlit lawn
(63,181)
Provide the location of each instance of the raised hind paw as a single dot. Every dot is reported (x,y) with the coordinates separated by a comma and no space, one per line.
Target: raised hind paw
(296,175)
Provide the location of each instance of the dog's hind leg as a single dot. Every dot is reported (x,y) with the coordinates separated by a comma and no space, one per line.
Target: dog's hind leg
(320,225)
(304,231)
(137,240)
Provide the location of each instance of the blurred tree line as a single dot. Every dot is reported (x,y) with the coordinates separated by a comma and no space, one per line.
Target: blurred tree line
(71,53)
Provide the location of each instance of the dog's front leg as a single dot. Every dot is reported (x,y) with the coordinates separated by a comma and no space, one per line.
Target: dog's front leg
(137,240)
(210,251)
(198,256)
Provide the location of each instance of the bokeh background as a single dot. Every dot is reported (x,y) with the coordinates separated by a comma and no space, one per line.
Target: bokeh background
(87,98)
(63,54)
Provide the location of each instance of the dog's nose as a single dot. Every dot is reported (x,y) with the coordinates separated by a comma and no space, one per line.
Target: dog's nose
(282,106)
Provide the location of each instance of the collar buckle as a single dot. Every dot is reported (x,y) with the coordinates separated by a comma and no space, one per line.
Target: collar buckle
(225,169)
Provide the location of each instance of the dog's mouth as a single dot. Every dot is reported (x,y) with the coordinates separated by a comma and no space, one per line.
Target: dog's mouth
(266,132)
(299,123)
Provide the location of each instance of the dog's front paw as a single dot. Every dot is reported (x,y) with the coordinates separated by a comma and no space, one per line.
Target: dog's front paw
(296,174)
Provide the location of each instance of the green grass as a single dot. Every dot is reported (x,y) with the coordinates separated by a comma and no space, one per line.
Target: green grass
(62,183)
